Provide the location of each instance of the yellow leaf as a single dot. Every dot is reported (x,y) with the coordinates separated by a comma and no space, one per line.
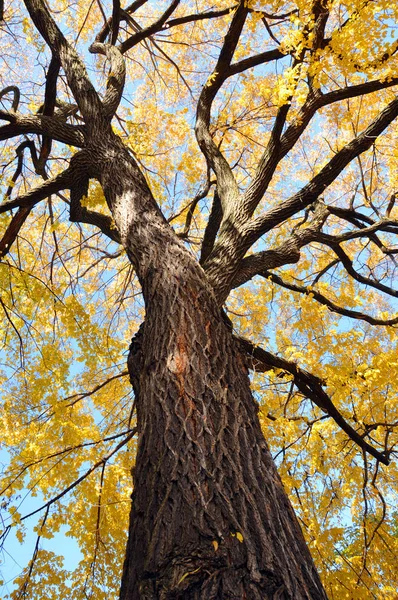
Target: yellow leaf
(187,574)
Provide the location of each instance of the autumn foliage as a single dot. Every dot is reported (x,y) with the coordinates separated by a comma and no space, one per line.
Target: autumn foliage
(298,123)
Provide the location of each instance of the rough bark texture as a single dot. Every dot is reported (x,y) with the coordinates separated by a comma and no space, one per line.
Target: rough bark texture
(204,473)
(210,518)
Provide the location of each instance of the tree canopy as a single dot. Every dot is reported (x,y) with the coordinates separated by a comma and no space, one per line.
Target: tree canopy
(267,133)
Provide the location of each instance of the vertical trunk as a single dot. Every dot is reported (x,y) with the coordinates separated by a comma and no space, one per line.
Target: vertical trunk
(210,518)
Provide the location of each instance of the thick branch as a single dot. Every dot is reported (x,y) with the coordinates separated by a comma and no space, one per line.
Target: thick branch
(361,89)
(222,263)
(390,225)
(315,100)
(45,189)
(254,61)
(22,214)
(16,96)
(76,74)
(226,185)
(116,78)
(272,155)
(13,229)
(227,269)
(209,14)
(212,227)
(258,264)
(310,386)
(325,177)
(81,214)
(350,215)
(103,222)
(25,203)
(287,253)
(20,217)
(357,219)
(115,21)
(50,98)
(43,125)
(20,150)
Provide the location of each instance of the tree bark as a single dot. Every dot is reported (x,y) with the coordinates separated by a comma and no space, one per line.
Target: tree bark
(210,518)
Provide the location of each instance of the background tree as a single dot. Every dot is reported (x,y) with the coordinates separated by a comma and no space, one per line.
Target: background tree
(113,210)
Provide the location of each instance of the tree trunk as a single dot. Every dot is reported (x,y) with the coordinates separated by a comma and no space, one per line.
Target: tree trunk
(210,518)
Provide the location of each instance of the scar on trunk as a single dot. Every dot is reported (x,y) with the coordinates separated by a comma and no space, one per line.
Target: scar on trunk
(177,362)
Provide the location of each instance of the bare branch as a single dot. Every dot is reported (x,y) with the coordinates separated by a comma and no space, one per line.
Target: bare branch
(324,178)
(332,306)
(123,16)
(348,265)
(148,31)
(209,14)
(311,387)
(16,96)
(83,477)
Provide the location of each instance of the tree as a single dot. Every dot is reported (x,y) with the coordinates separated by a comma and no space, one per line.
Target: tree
(294,112)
